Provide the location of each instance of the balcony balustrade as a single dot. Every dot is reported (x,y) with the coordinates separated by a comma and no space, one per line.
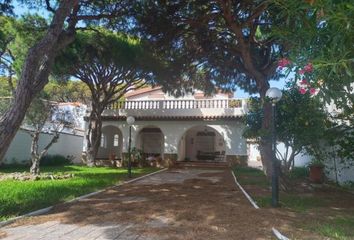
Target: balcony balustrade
(176,104)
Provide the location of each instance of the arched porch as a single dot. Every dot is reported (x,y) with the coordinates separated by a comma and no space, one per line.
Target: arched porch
(150,141)
(111,143)
(202,144)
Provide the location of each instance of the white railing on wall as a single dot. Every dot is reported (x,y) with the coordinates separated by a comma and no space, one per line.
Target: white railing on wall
(177,104)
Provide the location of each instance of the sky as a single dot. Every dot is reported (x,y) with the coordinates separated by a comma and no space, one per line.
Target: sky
(21,9)
(239,93)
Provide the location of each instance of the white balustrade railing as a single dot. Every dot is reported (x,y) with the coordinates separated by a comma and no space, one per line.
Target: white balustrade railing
(177,104)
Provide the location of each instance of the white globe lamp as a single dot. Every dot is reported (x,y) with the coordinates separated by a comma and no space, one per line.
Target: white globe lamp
(130,120)
(274,93)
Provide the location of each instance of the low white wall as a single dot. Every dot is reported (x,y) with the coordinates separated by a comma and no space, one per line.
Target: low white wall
(20,148)
(335,170)
(301,159)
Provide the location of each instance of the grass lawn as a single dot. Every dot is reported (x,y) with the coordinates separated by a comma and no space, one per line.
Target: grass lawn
(326,211)
(19,197)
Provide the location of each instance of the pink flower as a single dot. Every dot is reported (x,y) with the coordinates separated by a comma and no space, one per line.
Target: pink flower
(312,91)
(303,90)
(284,62)
(308,68)
(301,71)
(304,82)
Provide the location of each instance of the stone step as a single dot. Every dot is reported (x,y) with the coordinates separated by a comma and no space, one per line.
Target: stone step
(201,164)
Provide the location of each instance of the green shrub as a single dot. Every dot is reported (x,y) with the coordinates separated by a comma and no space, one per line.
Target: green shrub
(299,172)
(55,160)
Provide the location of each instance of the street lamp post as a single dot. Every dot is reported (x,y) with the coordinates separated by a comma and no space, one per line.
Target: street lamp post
(130,121)
(275,95)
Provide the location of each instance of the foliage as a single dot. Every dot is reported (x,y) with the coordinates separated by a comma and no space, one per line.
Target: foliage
(211,45)
(38,63)
(27,31)
(253,120)
(110,50)
(137,157)
(68,91)
(338,140)
(341,142)
(110,64)
(299,173)
(214,43)
(300,124)
(44,116)
(55,160)
(5,95)
(19,35)
(40,111)
(5,90)
(18,197)
(316,162)
(6,7)
(322,32)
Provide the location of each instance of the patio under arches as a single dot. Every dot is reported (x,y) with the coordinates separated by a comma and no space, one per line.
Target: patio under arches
(202,144)
(150,140)
(111,143)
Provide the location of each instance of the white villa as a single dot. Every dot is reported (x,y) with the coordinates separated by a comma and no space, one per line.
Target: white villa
(190,128)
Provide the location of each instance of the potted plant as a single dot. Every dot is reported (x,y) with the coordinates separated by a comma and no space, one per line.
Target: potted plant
(316,171)
(137,157)
(112,158)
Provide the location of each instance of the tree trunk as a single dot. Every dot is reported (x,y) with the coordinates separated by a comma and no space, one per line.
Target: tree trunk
(265,147)
(35,159)
(35,155)
(94,136)
(34,170)
(35,72)
(91,157)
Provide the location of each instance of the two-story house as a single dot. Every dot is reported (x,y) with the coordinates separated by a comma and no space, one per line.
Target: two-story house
(194,127)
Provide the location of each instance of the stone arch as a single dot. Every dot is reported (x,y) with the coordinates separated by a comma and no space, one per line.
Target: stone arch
(202,143)
(111,143)
(150,140)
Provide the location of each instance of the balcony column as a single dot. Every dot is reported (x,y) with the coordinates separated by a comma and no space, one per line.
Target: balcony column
(244,105)
(171,145)
(160,105)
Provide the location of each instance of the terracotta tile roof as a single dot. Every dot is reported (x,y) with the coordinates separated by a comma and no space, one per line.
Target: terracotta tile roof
(76,104)
(197,95)
(141,91)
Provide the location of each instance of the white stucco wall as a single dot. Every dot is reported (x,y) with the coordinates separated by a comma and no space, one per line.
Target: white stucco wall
(20,148)
(335,170)
(301,159)
(231,130)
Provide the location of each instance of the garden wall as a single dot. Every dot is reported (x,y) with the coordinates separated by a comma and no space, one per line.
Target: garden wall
(335,169)
(67,145)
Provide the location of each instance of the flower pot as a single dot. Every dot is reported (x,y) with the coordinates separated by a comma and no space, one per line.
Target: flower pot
(316,174)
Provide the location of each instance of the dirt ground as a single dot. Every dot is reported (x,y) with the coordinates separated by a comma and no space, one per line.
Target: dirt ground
(193,204)
(179,204)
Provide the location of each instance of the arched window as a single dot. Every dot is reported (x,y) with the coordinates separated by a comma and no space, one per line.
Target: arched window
(103,141)
(116,140)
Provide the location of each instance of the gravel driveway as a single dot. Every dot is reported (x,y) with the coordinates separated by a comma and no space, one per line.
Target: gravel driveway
(176,204)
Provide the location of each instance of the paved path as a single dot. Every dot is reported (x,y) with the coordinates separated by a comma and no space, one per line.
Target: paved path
(175,204)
